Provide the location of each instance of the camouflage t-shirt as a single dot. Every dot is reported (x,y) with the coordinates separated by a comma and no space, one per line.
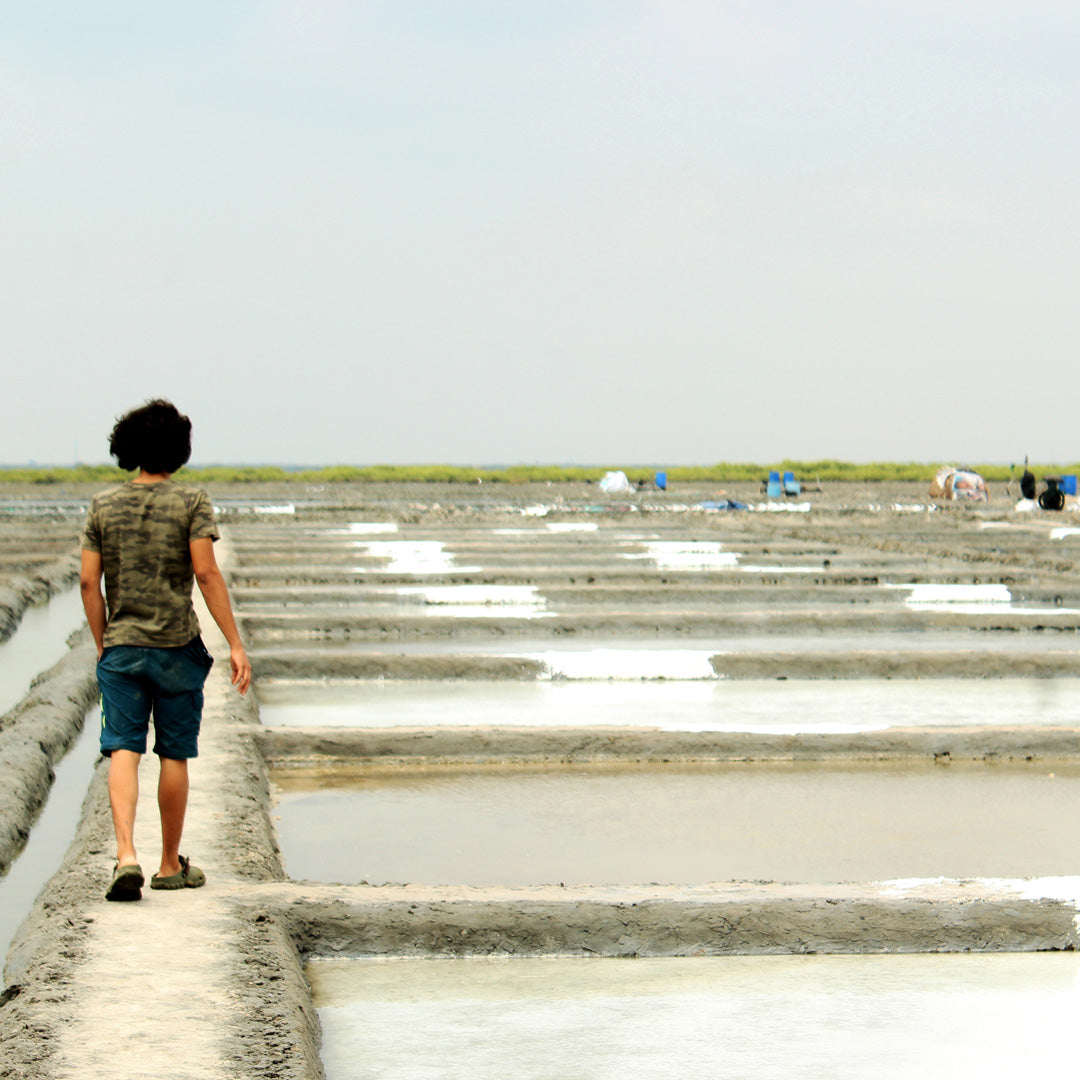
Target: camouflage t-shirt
(142,532)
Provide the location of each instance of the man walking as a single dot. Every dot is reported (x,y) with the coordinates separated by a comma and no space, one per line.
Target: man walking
(151,539)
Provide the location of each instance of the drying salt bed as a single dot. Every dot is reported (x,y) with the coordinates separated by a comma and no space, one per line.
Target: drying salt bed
(828,658)
(779,706)
(632,823)
(989,1017)
(528,826)
(797,596)
(83,981)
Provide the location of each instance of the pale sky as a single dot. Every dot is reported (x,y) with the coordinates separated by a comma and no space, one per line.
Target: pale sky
(575,231)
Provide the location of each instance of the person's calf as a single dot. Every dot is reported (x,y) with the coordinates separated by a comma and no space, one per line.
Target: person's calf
(123,800)
(172,806)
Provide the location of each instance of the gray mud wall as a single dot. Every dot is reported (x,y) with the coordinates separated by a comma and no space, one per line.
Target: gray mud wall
(37,732)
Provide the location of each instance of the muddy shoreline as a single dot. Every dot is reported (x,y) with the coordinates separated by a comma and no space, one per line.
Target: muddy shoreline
(35,735)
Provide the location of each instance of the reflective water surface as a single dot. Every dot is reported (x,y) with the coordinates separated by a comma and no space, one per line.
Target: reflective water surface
(635,824)
(38,643)
(839,642)
(52,832)
(768,705)
(966,1017)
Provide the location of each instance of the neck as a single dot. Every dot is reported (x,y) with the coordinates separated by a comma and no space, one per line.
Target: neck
(145,477)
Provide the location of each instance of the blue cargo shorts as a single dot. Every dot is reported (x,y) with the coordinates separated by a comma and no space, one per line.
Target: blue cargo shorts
(137,681)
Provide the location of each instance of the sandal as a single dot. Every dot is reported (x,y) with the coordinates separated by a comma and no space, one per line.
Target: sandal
(127,883)
(188,877)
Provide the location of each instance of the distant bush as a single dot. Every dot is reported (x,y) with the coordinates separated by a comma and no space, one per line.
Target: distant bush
(75,474)
(825,471)
(237,474)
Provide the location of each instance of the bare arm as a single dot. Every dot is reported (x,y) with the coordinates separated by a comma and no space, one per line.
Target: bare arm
(216,594)
(92,598)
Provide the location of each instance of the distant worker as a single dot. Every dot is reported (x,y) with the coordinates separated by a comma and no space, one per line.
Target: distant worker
(1027,482)
(1053,498)
(151,539)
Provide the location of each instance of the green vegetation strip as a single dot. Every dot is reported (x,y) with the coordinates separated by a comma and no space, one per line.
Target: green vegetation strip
(722,472)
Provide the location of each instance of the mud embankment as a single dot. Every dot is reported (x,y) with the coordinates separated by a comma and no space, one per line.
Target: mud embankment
(35,735)
(736,918)
(337,748)
(750,664)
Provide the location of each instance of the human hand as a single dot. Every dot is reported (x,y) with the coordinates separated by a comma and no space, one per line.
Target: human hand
(241,668)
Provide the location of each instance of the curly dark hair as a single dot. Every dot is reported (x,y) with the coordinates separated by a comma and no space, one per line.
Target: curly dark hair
(155,437)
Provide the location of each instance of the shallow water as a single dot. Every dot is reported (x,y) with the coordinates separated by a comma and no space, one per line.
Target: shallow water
(494,601)
(51,834)
(967,1017)
(768,705)
(688,555)
(410,556)
(38,643)
(365,528)
(840,642)
(636,824)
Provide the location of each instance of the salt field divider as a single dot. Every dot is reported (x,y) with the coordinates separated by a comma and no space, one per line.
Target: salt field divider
(968,663)
(737,918)
(51,834)
(340,625)
(35,735)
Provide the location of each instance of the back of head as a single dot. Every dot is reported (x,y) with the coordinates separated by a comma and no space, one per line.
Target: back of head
(155,437)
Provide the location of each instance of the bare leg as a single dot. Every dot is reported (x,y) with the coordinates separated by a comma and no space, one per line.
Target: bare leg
(172,803)
(123,798)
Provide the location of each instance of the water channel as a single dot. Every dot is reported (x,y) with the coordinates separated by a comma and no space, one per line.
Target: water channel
(38,643)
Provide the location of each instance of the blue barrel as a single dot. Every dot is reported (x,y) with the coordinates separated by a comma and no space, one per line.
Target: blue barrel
(661,481)
(1068,485)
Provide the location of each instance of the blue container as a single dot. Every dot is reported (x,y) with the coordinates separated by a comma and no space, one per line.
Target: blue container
(1068,485)
(661,480)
